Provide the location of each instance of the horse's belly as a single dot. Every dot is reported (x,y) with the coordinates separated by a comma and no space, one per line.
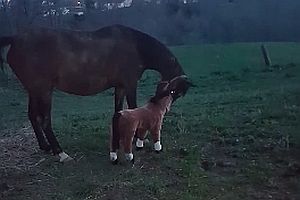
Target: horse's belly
(83,85)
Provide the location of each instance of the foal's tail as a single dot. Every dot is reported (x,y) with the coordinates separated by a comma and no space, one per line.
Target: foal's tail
(4,41)
(115,132)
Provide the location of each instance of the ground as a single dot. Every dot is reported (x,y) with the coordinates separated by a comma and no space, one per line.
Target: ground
(233,136)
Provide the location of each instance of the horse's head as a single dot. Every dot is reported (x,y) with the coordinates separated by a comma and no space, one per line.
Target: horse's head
(162,91)
(177,87)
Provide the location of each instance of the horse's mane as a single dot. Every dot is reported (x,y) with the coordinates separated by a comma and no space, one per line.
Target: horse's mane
(151,50)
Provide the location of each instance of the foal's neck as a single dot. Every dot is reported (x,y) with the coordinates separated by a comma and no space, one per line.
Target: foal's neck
(162,105)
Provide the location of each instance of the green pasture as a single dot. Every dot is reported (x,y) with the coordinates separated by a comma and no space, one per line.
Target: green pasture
(233,136)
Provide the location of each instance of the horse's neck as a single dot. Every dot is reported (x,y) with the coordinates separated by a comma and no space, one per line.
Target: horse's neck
(168,72)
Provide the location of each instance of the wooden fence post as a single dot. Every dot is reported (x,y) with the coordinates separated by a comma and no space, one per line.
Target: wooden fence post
(266,55)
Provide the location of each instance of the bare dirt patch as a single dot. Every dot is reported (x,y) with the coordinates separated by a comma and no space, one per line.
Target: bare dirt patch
(20,158)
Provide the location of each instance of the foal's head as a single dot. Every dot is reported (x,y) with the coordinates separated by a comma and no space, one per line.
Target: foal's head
(176,87)
(163,97)
(168,91)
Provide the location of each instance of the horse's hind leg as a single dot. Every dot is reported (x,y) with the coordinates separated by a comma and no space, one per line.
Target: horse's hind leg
(36,120)
(45,109)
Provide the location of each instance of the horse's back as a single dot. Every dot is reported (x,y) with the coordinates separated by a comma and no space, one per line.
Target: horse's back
(76,62)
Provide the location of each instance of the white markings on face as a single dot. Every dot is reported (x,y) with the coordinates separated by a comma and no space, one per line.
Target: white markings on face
(113,156)
(139,143)
(157,146)
(64,157)
(129,156)
(172,92)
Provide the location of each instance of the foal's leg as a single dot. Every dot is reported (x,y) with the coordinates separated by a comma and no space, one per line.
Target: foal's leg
(36,122)
(140,136)
(45,109)
(156,139)
(127,142)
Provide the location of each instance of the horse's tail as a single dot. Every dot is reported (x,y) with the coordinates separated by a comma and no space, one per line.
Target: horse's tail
(4,42)
(115,132)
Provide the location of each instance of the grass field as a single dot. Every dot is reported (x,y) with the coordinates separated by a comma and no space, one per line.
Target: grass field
(234,136)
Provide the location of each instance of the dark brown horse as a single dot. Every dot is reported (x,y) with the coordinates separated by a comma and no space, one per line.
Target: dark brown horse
(84,63)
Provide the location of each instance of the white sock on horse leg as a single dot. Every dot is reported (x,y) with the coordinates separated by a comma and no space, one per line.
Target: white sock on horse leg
(113,156)
(157,146)
(64,157)
(129,156)
(139,143)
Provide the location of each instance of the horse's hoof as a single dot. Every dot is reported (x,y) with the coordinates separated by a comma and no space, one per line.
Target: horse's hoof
(64,157)
(66,160)
(115,162)
(46,148)
(138,148)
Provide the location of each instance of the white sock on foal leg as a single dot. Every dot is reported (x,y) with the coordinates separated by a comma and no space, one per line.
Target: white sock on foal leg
(64,157)
(139,143)
(113,156)
(129,156)
(157,146)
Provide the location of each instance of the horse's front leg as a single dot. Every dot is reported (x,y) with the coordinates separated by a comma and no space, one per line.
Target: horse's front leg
(131,96)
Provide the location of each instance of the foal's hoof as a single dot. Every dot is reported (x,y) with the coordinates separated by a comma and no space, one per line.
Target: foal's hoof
(115,162)
(138,148)
(131,162)
(158,151)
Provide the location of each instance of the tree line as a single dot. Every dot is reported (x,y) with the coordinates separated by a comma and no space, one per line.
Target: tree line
(174,22)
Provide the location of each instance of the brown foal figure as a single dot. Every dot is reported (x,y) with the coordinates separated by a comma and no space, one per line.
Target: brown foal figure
(130,122)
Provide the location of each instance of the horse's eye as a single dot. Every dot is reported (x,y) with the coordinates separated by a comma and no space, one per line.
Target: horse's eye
(172,92)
